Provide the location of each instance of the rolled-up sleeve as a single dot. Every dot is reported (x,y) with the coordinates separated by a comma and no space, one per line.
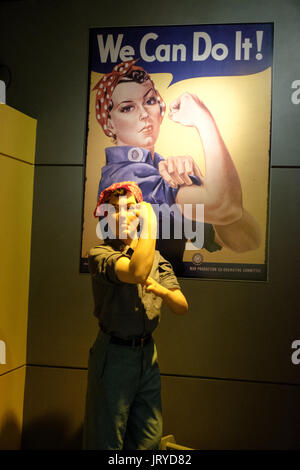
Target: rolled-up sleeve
(167,277)
(102,262)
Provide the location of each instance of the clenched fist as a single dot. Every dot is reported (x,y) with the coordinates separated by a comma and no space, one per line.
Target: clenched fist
(176,170)
(188,110)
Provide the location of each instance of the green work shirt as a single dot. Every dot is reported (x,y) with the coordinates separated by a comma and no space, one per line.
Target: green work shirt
(126,310)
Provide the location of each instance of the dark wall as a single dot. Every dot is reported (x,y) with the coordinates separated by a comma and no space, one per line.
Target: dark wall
(227,375)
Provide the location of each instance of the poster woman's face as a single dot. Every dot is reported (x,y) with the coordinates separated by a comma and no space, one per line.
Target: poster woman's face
(135,118)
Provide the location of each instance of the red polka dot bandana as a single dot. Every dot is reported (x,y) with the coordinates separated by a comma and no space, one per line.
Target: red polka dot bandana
(106,193)
(106,86)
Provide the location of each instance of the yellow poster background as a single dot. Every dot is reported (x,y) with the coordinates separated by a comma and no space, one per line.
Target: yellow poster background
(241,107)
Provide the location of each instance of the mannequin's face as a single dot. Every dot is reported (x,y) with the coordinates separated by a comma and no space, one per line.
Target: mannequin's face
(121,219)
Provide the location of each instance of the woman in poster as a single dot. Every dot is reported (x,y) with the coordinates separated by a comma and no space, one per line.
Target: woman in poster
(130,110)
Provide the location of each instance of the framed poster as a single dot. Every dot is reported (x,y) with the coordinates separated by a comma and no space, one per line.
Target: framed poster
(185,111)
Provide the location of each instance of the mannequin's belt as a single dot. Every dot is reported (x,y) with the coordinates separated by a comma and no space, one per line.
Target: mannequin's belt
(140,341)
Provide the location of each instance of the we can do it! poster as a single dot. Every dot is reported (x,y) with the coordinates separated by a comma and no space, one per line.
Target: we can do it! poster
(185,112)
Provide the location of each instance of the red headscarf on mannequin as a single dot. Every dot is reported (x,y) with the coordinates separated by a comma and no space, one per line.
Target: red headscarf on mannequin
(106,193)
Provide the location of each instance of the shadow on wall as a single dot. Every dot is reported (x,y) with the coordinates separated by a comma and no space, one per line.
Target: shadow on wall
(51,431)
(10,433)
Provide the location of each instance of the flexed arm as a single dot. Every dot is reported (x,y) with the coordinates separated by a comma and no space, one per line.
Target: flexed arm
(220,189)
(137,269)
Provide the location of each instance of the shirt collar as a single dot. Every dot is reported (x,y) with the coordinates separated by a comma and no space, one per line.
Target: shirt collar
(115,243)
(124,153)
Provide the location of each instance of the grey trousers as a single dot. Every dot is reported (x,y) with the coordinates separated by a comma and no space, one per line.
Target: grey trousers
(123,402)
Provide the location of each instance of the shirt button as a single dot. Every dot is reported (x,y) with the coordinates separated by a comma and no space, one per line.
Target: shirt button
(135,154)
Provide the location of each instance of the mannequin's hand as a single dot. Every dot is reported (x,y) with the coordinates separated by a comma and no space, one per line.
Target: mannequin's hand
(154,287)
(147,217)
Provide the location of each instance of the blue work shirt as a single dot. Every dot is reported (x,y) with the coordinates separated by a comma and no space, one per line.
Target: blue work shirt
(126,163)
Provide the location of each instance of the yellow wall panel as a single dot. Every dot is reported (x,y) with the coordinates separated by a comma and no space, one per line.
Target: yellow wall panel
(11,408)
(17,134)
(16,196)
(17,151)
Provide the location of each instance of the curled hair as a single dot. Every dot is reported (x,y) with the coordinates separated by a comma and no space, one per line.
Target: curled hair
(138,76)
(119,192)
